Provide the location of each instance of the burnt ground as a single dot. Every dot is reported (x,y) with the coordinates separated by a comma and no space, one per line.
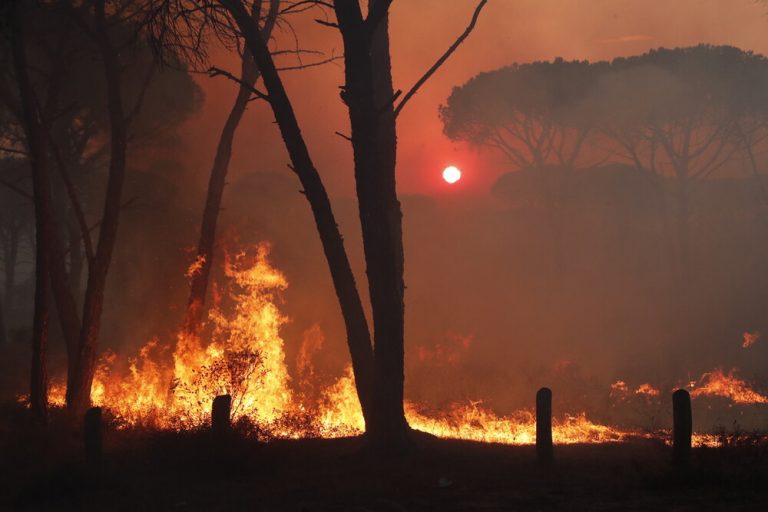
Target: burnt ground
(45,469)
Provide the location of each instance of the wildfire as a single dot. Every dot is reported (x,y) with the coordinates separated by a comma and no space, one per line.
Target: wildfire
(717,383)
(174,389)
(619,389)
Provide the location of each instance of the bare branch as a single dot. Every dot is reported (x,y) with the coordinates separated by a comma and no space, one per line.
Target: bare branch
(310,65)
(431,71)
(343,136)
(140,100)
(304,5)
(14,151)
(214,71)
(72,194)
(326,23)
(23,193)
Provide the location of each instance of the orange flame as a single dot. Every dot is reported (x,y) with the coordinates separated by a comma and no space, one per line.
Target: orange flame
(195,267)
(620,390)
(245,359)
(717,383)
(647,390)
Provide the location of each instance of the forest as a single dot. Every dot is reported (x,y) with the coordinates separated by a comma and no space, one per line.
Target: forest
(345,255)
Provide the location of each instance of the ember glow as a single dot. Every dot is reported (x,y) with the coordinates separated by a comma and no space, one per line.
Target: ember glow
(245,358)
(749,339)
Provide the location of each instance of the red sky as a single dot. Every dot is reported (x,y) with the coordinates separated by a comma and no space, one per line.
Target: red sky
(508,31)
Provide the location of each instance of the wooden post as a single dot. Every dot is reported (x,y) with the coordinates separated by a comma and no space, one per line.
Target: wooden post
(222,406)
(682,428)
(544,450)
(92,428)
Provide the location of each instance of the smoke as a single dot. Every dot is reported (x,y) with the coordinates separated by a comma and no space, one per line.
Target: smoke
(498,304)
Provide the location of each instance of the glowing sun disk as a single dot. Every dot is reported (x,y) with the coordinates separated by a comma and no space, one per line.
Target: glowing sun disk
(451,174)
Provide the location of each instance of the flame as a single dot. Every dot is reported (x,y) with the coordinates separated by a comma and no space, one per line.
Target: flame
(749,339)
(196,266)
(647,390)
(311,344)
(173,388)
(620,390)
(717,383)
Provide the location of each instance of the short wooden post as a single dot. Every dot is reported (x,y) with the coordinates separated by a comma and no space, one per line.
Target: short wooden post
(544,450)
(220,412)
(92,428)
(682,428)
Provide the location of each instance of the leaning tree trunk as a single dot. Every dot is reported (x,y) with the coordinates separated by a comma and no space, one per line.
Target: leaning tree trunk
(206,245)
(358,336)
(373,144)
(36,149)
(79,384)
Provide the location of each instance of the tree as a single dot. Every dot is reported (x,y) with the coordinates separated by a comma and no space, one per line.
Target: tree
(36,149)
(684,113)
(83,51)
(205,248)
(15,214)
(370,99)
(536,114)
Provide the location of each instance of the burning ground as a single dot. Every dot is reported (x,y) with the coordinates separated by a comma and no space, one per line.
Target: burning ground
(170,385)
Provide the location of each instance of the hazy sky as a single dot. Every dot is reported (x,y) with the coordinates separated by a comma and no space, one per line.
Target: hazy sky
(508,31)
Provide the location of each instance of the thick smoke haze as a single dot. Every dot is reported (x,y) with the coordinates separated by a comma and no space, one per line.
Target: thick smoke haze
(489,316)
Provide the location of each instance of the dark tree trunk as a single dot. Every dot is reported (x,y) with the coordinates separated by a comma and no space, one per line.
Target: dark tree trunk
(206,245)
(682,218)
(79,384)
(76,258)
(36,149)
(368,78)
(65,301)
(3,331)
(358,336)
(10,255)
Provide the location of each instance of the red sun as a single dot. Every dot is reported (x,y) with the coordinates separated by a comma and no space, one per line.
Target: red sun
(451,174)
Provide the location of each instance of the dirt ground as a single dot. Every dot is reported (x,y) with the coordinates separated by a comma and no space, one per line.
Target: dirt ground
(45,469)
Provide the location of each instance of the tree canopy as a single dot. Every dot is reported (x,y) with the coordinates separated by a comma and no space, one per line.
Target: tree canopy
(685,104)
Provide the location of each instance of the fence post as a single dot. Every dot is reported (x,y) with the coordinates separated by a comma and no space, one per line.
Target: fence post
(220,412)
(544,450)
(92,429)
(682,428)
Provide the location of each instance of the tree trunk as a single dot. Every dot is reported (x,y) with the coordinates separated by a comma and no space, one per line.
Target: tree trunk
(358,336)
(36,149)
(3,331)
(206,245)
(79,385)
(11,256)
(368,78)
(76,258)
